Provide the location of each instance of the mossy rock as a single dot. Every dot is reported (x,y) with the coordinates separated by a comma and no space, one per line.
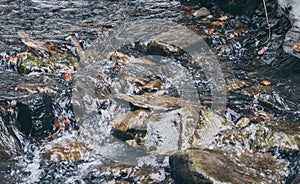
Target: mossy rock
(54,64)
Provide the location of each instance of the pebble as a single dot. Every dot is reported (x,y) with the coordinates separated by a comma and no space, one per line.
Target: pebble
(202,12)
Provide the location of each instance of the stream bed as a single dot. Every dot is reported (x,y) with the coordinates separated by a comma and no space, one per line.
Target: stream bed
(147,92)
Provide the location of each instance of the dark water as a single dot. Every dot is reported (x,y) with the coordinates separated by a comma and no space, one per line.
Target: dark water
(55,20)
(93,21)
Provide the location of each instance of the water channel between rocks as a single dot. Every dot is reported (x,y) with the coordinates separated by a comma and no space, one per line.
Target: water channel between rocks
(164,92)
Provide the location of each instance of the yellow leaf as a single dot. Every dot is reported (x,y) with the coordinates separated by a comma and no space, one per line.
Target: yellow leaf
(224,17)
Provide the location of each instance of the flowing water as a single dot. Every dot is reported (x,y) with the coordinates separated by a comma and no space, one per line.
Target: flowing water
(108,26)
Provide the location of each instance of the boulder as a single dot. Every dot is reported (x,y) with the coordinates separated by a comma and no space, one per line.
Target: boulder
(227,166)
(54,64)
(34,97)
(163,133)
(35,117)
(168,132)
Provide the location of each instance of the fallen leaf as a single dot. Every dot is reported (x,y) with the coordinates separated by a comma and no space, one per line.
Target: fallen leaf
(116,56)
(262,116)
(124,58)
(60,125)
(68,76)
(296,47)
(234,33)
(265,83)
(262,50)
(211,30)
(12,60)
(223,17)
(218,23)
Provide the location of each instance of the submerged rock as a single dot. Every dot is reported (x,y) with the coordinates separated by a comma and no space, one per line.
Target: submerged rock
(33,88)
(124,173)
(265,136)
(26,112)
(236,84)
(67,150)
(182,129)
(255,89)
(227,166)
(39,100)
(202,12)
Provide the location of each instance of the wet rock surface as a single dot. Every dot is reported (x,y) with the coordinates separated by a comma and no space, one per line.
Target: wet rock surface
(67,150)
(210,166)
(142,90)
(129,173)
(265,137)
(11,136)
(54,64)
(28,110)
(35,114)
(291,8)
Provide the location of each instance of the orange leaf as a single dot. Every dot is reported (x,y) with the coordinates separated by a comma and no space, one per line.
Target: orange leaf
(124,58)
(265,82)
(12,60)
(218,23)
(68,76)
(211,30)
